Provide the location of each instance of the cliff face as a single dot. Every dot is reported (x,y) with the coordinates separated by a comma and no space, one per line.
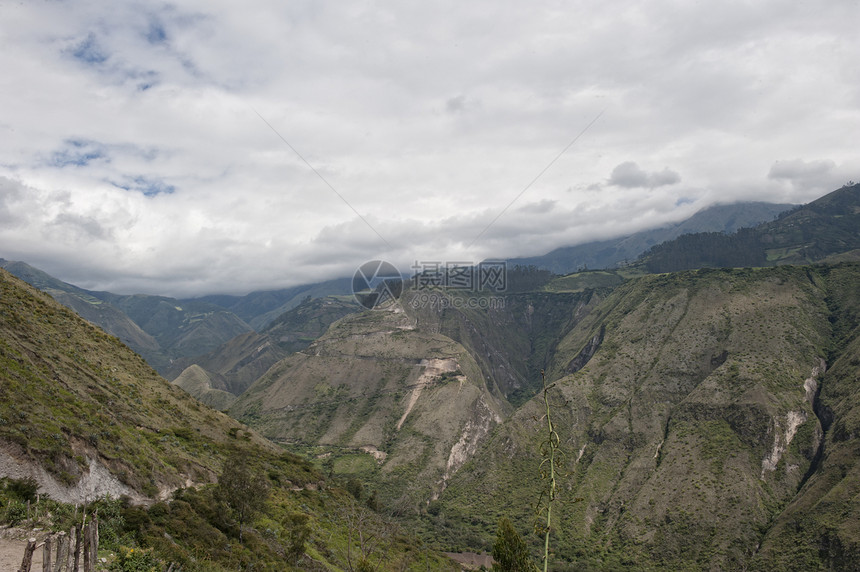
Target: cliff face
(708,418)
(404,405)
(718,408)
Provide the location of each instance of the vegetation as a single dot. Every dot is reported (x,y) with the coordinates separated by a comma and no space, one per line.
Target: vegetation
(803,235)
(709,419)
(509,551)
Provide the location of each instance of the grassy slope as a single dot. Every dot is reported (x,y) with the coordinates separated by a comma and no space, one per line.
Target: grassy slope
(70,391)
(667,428)
(351,389)
(198,383)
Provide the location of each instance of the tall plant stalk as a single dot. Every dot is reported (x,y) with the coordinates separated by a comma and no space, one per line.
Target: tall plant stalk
(550,454)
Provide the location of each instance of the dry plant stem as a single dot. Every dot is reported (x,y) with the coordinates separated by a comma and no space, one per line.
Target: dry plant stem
(551,446)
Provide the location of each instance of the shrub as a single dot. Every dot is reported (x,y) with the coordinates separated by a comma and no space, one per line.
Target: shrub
(23,489)
(16,511)
(135,560)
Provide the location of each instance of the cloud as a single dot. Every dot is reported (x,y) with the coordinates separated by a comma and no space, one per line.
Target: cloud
(456,104)
(800,170)
(629,175)
(816,176)
(132,154)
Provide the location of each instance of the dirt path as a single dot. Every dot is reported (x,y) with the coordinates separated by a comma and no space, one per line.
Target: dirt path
(12,552)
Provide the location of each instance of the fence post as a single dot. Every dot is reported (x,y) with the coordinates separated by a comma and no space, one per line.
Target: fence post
(62,552)
(28,556)
(94,541)
(88,563)
(47,553)
(71,555)
(78,544)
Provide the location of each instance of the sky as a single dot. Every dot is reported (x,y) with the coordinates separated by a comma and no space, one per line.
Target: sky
(201,146)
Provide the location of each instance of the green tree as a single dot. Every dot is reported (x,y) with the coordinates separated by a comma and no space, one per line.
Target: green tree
(510,551)
(242,489)
(298,533)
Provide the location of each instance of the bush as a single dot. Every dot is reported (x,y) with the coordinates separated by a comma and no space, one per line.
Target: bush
(16,511)
(135,560)
(23,489)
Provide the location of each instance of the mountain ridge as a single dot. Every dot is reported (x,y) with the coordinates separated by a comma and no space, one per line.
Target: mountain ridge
(610,253)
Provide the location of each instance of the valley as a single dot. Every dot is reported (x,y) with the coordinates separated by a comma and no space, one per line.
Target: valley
(704,397)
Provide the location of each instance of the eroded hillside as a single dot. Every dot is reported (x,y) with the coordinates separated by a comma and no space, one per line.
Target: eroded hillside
(413,405)
(693,434)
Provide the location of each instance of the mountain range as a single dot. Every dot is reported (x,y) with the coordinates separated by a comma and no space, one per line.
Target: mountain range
(615,252)
(703,394)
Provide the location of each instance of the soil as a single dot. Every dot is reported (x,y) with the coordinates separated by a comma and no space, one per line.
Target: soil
(13,541)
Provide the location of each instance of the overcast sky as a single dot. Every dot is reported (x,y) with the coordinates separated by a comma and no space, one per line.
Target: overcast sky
(204,146)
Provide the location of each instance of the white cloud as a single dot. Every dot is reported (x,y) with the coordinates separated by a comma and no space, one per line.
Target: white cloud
(629,175)
(132,155)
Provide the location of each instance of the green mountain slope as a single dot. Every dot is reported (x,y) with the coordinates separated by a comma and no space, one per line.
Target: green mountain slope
(234,365)
(262,307)
(296,328)
(186,328)
(692,432)
(198,382)
(407,406)
(810,233)
(91,422)
(83,414)
(509,336)
(158,328)
(227,371)
(618,251)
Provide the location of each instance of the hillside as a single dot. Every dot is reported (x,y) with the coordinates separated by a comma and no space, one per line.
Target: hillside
(810,233)
(159,328)
(218,377)
(713,427)
(407,404)
(171,333)
(260,308)
(85,416)
(94,425)
(725,219)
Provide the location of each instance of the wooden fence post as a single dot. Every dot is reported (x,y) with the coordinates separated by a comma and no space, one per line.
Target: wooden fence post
(94,545)
(47,553)
(62,552)
(71,556)
(28,556)
(81,549)
(88,563)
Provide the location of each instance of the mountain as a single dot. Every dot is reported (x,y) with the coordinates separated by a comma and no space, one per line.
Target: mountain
(91,308)
(378,393)
(827,226)
(711,424)
(84,420)
(84,415)
(227,371)
(725,219)
(259,308)
(159,328)
(707,418)
(169,332)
